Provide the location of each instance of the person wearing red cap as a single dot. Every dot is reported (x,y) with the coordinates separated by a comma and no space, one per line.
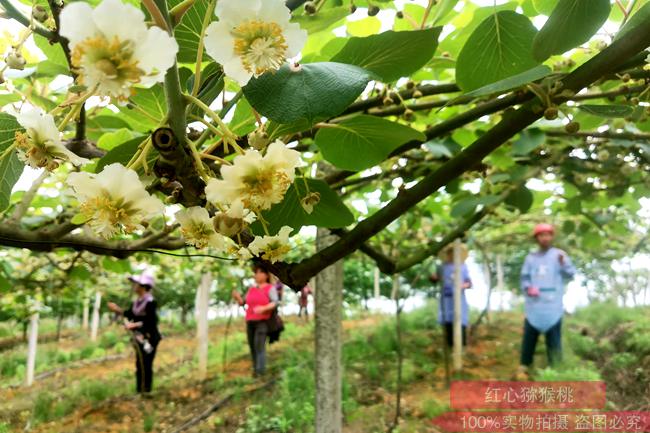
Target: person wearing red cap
(542,280)
(142,320)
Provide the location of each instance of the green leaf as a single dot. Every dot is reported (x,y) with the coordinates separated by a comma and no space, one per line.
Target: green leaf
(500,47)
(8,99)
(329,212)
(639,18)
(363,141)
(118,266)
(122,153)
(80,273)
(243,121)
(55,63)
(534,74)
(545,7)
(608,111)
(10,167)
(391,55)
(529,140)
(314,90)
(440,148)
(188,31)
(151,108)
(521,198)
(322,20)
(572,22)
(468,205)
(8,127)
(111,139)
(212,82)
(442,9)
(79,219)
(96,126)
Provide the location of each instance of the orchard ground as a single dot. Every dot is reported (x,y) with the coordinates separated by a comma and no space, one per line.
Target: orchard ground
(601,341)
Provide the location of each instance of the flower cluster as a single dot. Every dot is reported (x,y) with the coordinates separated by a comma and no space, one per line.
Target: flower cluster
(112,48)
(253,183)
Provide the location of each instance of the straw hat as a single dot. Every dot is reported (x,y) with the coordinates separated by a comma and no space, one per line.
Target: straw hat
(464,253)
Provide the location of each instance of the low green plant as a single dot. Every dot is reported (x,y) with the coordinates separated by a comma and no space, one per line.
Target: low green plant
(149,422)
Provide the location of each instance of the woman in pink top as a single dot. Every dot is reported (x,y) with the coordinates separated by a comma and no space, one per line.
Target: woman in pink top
(260,300)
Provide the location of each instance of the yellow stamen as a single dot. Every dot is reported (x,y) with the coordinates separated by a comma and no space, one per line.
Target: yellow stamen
(260,45)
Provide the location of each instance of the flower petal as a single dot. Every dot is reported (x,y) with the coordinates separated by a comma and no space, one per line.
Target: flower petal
(155,54)
(77,23)
(116,19)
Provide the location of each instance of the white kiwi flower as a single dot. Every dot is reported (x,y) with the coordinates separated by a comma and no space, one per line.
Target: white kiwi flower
(272,248)
(233,220)
(258,181)
(252,37)
(40,145)
(114,200)
(197,228)
(113,49)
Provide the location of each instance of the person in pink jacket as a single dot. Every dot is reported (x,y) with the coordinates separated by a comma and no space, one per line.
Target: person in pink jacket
(260,301)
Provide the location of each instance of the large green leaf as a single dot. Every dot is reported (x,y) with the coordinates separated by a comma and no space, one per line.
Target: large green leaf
(313,90)
(500,47)
(363,141)
(329,212)
(391,55)
(608,111)
(188,31)
(10,166)
(636,20)
(572,22)
(509,83)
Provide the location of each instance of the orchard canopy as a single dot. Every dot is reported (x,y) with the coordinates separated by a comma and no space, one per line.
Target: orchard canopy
(228,128)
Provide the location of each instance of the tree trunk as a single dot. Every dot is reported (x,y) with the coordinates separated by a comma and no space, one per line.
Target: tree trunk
(203,303)
(500,280)
(94,328)
(328,297)
(84,317)
(31,348)
(184,314)
(376,285)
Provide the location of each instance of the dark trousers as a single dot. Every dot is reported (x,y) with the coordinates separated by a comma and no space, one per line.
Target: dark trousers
(303,308)
(449,334)
(143,368)
(256,332)
(553,338)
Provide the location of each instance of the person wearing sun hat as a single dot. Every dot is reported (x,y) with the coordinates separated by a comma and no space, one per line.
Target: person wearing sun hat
(542,281)
(142,320)
(445,276)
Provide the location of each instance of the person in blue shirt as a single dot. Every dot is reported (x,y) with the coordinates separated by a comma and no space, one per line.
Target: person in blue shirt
(445,276)
(542,280)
